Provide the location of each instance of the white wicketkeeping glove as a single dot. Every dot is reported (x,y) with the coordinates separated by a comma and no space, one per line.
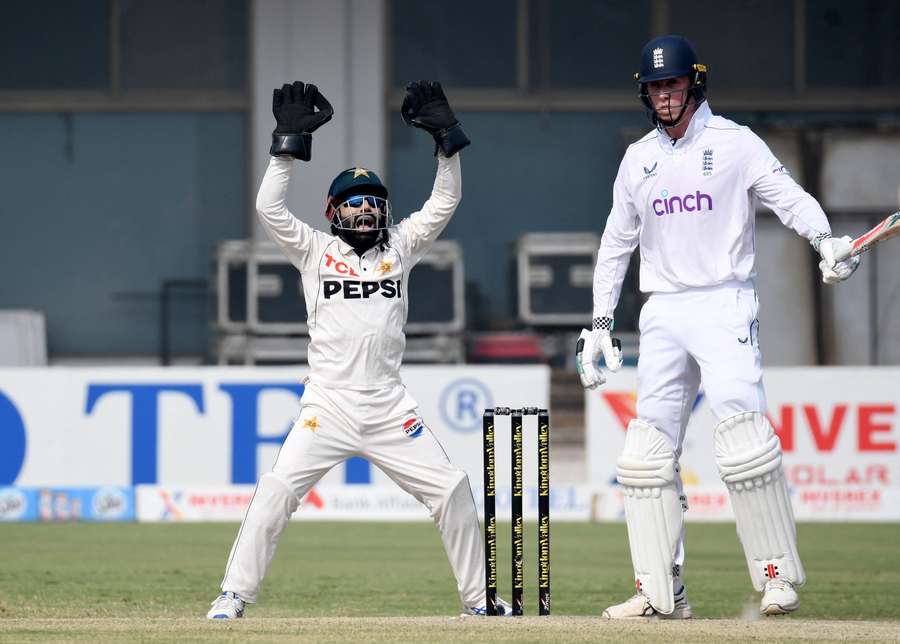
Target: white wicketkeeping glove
(834,271)
(587,353)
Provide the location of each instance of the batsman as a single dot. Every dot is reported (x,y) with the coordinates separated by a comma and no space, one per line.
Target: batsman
(686,193)
(355,287)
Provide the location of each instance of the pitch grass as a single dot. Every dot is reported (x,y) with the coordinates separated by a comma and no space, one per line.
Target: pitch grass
(153,582)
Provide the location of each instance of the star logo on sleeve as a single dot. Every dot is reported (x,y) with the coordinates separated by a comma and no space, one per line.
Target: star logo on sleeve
(312,424)
(384,266)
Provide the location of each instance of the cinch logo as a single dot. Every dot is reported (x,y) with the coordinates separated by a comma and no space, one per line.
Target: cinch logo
(667,205)
(355,290)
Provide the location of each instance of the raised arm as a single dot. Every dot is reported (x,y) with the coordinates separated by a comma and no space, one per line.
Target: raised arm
(421,228)
(294,237)
(299,110)
(426,108)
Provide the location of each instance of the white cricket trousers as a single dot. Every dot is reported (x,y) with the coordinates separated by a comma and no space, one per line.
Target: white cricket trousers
(706,334)
(333,426)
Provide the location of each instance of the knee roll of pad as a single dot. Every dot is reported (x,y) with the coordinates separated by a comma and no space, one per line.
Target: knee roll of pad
(748,455)
(648,473)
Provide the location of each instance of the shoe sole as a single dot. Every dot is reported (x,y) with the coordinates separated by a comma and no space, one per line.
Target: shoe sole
(672,616)
(778,609)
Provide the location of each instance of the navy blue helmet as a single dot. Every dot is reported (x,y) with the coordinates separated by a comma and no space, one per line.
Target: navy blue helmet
(670,57)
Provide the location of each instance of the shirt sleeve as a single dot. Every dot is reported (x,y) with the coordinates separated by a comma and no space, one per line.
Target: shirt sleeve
(772,183)
(419,231)
(295,238)
(620,238)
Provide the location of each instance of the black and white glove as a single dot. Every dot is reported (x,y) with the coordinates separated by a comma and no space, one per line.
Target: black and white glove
(833,269)
(426,107)
(588,349)
(299,111)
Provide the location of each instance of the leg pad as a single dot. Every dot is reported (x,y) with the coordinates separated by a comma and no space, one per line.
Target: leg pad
(748,455)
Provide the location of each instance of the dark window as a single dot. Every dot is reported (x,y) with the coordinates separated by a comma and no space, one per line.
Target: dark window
(464,43)
(745,43)
(586,44)
(189,45)
(853,44)
(54,45)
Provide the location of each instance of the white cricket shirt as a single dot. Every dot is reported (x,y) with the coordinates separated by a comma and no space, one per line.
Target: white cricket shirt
(692,207)
(356,306)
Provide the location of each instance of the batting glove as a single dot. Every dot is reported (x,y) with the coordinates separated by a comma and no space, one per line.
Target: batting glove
(834,270)
(591,344)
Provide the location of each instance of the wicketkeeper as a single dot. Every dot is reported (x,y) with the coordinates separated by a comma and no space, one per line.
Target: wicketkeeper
(355,286)
(687,193)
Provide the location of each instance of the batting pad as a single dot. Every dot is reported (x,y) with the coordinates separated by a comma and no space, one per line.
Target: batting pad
(748,455)
(653,512)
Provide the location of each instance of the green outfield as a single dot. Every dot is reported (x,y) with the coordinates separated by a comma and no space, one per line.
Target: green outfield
(84,582)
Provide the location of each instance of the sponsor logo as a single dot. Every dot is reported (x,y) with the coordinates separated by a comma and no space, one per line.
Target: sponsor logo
(871,426)
(340,267)
(413,427)
(109,503)
(651,171)
(780,169)
(658,60)
(462,403)
(691,202)
(355,289)
(12,504)
(707,162)
(171,505)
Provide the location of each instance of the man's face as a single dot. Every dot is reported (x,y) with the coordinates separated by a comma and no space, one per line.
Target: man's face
(668,96)
(361,213)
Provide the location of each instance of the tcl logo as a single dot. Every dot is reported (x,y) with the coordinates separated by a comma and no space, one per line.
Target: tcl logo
(874,425)
(340,267)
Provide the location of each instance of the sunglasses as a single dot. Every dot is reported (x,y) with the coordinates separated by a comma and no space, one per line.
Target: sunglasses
(358,201)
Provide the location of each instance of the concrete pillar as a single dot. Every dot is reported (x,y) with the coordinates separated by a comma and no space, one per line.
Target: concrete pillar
(340,46)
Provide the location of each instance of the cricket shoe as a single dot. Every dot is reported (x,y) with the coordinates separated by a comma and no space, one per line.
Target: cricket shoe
(639,607)
(226,606)
(503,610)
(779,598)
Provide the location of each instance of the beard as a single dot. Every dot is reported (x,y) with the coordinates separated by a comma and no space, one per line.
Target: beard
(360,240)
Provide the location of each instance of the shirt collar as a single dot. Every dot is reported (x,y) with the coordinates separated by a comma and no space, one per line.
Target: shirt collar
(344,248)
(698,123)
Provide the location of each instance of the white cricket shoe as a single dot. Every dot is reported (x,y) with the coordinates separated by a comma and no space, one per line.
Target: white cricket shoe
(638,607)
(779,597)
(503,610)
(226,606)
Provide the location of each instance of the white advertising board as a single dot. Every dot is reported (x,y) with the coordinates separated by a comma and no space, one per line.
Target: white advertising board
(839,429)
(221,426)
(157,503)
